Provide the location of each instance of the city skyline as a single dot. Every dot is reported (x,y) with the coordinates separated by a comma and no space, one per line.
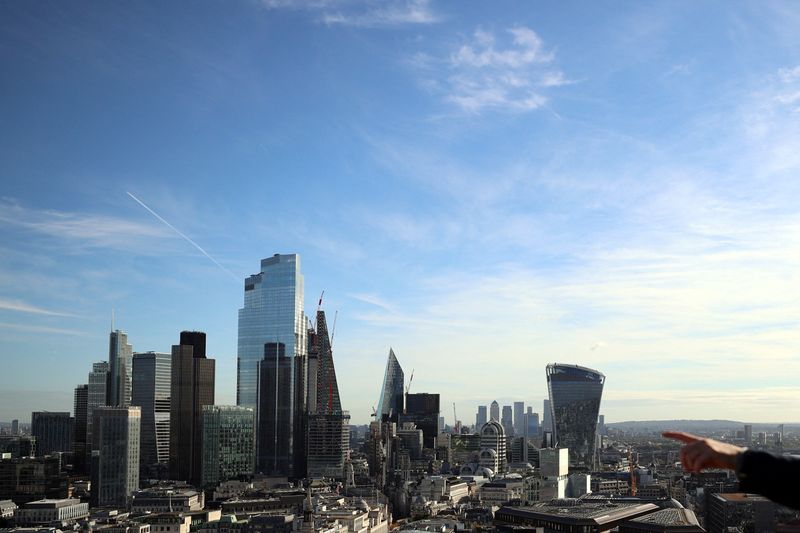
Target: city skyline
(609,185)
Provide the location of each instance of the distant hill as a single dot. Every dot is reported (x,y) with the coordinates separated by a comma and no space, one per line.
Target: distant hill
(698,426)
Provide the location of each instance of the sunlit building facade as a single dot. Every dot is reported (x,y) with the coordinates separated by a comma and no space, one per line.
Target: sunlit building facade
(151,390)
(575,394)
(272,313)
(120,360)
(391,399)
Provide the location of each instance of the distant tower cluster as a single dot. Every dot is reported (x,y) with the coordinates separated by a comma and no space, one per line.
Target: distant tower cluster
(575,394)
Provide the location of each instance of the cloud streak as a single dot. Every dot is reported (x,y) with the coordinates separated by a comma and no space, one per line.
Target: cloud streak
(368,14)
(22,307)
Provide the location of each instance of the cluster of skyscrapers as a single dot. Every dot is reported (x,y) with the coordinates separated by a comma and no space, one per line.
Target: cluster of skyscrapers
(153,413)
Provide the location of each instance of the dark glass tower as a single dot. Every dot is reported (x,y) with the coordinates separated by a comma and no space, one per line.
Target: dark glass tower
(423,410)
(276,446)
(53,432)
(391,399)
(79,445)
(192,388)
(575,394)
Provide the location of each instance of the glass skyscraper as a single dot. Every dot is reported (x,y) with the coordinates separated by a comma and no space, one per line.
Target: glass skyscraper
(272,313)
(391,398)
(120,360)
(575,394)
(151,389)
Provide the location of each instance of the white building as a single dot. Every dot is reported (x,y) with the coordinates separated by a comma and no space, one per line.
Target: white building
(493,447)
(47,511)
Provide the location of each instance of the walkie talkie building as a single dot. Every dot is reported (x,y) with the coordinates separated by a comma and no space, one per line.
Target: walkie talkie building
(575,394)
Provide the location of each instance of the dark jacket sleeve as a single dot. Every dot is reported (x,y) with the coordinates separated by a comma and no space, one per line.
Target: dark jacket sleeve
(773,476)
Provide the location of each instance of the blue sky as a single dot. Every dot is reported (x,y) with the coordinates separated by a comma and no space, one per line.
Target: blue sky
(484,187)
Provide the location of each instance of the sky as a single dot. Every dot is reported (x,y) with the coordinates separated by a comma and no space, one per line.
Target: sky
(485,187)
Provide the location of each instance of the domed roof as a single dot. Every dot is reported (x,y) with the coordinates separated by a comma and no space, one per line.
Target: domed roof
(488,453)
(492,428)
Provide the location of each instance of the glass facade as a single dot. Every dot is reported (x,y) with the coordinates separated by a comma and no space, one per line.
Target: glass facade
(272,312)
(392,390)
(575,394)
(228,443)
(96,397)
(120,360)
(115,460)
(151,385)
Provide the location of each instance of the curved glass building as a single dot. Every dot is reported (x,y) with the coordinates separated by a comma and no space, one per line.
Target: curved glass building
(575,393)
(390,403)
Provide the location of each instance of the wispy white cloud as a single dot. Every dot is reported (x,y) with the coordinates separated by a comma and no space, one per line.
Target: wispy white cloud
(491,73)
(372,299)
(76,230)
(366,14)
(23,307)
(41,329)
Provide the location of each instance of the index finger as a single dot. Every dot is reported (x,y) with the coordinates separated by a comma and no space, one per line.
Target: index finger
(686,438)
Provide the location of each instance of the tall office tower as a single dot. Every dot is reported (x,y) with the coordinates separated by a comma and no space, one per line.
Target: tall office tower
(228,443)
(493,447)
(519,418)
(391,399)
(507,421)
(601,425)
(275,446)
(96,397)
(115,455)
(53,432)
(748,434)
(272,313)
(575,394)
(532,419)
(120,355)
(494,411)
(79,445)
(328,434)
(15,427)
(480,418)
(192,388)
(151,385)
(547,416)
(422,409)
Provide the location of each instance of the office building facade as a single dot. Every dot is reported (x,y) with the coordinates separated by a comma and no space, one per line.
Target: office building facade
(275,442)
(115,455)
(228,443)
(272,313)
(193,376)
(423,410)
(53,431)
(494,412)
(390,401)
(480,417)
(575,394)
(519,418)
(507,420)
(96,397)
(151,385)
(120,367)
(493,447)
(79,443)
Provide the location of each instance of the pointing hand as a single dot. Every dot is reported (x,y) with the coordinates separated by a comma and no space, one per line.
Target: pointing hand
(699,453)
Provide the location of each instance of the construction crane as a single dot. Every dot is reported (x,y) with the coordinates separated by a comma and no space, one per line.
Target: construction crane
(455,418)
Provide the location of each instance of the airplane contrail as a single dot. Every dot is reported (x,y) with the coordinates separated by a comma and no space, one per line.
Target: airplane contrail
(190,241)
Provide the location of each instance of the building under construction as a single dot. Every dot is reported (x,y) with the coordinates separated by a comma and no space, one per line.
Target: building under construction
(328,436)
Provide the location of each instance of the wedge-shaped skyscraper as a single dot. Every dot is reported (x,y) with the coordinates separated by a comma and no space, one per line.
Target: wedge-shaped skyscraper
(390,403)
(575,394)
(328,436)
